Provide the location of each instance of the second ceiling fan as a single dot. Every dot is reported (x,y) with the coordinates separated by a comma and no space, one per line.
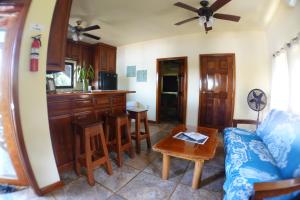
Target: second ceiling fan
(78,31)
(206,13)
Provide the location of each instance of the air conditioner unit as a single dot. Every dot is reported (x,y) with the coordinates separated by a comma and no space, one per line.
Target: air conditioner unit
(292,3)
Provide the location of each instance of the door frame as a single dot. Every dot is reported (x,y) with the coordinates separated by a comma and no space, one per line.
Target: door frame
(23,167)
(185,85)
(233,84)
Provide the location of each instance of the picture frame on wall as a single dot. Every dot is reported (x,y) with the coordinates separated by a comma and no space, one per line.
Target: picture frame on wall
(50,85)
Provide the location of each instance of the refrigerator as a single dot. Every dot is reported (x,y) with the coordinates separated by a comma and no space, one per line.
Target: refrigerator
(108,81)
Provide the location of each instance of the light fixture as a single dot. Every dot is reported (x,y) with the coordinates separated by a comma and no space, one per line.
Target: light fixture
(292,3)
(202,20)
(210,22)
(75,37)
(80,37)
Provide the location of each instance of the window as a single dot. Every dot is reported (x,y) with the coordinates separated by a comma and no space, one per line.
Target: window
(65,79)
(285,78)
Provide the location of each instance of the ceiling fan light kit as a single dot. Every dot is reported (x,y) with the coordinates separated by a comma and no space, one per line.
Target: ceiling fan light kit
(206,13)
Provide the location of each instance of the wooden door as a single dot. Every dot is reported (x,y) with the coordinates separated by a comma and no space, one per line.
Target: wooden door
(217,90)
(182,84)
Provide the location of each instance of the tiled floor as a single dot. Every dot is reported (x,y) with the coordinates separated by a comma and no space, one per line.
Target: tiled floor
(139,179)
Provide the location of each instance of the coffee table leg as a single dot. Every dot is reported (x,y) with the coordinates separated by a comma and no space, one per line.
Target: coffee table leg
(166,166)
(197,173)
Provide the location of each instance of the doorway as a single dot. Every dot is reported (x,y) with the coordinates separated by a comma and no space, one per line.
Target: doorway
(171,90)
(217,91)
(14,161)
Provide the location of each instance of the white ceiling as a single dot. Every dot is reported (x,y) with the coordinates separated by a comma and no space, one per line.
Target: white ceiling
(124,22)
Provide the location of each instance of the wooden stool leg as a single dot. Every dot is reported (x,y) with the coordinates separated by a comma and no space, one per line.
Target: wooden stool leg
(77,154)
(131,151)
(89,164)
(147,131)
(166,166)
(119,143)
(137,133)
(105,151)
(197,173)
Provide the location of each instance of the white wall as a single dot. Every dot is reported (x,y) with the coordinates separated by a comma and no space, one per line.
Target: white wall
(284,26)
(252,69)
(32,97)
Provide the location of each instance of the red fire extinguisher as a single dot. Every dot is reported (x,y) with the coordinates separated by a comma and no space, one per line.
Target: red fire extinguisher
(35,52)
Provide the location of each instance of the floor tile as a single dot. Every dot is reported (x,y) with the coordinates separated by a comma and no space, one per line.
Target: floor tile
(142,160)
(177,168)
(218,160)
(147,187)
(120,177)
(115,197)
(80,190)
(186,192)
(68,176)
(212,178)
(25,194)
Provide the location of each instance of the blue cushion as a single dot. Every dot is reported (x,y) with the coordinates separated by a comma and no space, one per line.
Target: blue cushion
(280,131)
(247,161)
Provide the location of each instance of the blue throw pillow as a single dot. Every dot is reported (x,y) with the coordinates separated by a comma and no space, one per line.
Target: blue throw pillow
(281,134)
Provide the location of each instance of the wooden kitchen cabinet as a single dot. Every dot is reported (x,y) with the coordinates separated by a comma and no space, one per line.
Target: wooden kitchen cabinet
(62,138)
(73,50)
(58,36)
(107,58)
(87,55)
(81,52)
(64,109)
(104,60)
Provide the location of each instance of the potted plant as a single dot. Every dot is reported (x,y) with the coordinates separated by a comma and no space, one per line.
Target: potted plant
(85,74)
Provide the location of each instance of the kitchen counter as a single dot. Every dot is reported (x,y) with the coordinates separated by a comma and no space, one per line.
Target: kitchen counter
(65,107)
(93,92)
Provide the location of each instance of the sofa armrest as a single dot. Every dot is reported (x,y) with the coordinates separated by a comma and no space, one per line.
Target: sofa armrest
(271,189)
(235,122)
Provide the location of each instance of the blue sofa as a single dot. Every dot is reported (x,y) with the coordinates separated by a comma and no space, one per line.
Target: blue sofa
(269,154)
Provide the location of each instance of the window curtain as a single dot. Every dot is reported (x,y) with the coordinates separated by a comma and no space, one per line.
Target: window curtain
(285,93)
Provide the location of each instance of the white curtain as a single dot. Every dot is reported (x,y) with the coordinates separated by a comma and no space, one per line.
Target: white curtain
(285,91)
(280,82)
(294,69)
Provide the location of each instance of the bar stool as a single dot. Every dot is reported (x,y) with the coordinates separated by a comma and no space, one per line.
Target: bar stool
(95,151)
(139,115)
(118,136)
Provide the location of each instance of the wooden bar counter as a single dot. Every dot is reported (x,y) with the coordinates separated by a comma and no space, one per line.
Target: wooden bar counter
(64,108)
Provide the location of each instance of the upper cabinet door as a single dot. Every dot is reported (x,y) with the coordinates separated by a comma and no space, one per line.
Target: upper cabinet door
(58,36)
(111,59)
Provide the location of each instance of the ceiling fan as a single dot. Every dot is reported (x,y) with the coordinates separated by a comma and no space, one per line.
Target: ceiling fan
(206,14)
(78,31)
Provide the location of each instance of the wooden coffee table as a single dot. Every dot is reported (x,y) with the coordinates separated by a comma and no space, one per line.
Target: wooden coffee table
(170,146)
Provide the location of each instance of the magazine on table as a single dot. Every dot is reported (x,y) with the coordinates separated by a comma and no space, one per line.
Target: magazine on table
(193,137)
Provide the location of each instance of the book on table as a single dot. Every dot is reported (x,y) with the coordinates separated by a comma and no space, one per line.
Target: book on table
(193,137)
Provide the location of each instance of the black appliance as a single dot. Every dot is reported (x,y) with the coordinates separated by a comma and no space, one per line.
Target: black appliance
(108,81)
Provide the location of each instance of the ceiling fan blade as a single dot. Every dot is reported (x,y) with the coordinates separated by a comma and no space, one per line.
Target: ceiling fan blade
(218,4)
(91,36)
(90,28)
(227,17)
(207,28)
(185,21)
(185,6)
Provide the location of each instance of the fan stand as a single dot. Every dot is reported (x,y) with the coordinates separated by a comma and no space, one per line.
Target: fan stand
(257,121)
